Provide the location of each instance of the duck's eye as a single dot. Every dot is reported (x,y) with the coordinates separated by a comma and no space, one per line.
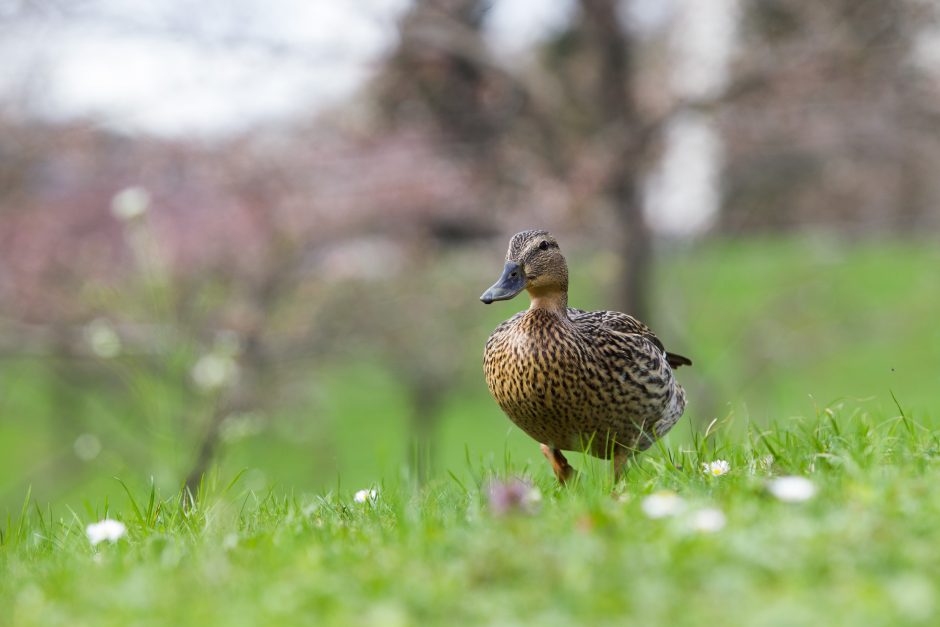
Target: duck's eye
(543,245)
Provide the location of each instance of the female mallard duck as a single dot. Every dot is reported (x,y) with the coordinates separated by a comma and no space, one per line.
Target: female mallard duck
(595,381)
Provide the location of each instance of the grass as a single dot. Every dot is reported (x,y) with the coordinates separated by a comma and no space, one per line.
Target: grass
(863,551)
(800,348)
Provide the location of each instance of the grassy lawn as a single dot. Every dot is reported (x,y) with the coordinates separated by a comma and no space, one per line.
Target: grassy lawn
(863,551)
(800,346)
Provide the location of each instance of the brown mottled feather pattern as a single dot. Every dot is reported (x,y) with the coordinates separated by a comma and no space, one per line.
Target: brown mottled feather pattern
(585,380)
(576,380)
(616,321)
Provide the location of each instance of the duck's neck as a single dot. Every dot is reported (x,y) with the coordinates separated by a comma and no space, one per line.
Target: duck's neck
(554,301)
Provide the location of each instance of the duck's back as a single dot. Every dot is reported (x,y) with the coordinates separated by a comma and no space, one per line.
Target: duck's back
(587,379)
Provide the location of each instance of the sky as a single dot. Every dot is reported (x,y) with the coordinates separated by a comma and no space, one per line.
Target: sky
(181,67)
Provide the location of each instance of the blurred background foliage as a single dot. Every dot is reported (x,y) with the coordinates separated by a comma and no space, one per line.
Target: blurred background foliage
(295,294)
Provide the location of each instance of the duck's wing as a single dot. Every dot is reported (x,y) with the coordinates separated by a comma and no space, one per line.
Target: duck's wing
(624,323)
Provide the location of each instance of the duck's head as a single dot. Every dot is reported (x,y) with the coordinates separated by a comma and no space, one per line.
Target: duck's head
(534,263)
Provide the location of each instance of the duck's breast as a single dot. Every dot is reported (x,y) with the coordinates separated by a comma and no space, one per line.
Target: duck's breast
(536,371)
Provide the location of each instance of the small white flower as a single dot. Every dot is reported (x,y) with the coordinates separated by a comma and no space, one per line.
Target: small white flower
(87,446)
(533,499)
(708,520)
(716,468)
(130,203)
(107,529)
(214,371)
(662,504)
(366,496)
(102,338)
(792,489)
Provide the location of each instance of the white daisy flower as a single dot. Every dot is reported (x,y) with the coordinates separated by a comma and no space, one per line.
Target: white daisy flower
(716,468)
(87,446)
(107,529)
(662,504)
(214,371)
(366,496)
(130,203)
(792,489)
(102,339)
(533,499)
(708,520)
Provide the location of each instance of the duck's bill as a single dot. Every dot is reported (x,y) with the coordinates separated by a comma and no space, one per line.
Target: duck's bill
(509,284)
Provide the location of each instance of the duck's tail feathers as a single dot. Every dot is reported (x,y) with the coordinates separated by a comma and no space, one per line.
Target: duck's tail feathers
(675,360)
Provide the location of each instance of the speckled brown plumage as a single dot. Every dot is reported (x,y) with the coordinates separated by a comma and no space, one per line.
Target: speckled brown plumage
(598,381)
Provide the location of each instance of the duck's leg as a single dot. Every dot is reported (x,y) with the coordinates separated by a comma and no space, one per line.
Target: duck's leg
(560,465)
(621,460)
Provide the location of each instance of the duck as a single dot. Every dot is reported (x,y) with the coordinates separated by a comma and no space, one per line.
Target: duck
(598,382)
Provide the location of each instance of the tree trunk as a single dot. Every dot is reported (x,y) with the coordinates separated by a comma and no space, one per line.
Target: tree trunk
(636,251)
(207,449)
(426,401)
(620,120)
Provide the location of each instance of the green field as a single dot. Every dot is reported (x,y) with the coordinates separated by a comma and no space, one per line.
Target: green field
(800,345)
(864,551)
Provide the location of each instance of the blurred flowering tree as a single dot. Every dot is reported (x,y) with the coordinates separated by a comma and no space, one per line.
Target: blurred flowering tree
(231,275)
(836,128)
(222,277)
